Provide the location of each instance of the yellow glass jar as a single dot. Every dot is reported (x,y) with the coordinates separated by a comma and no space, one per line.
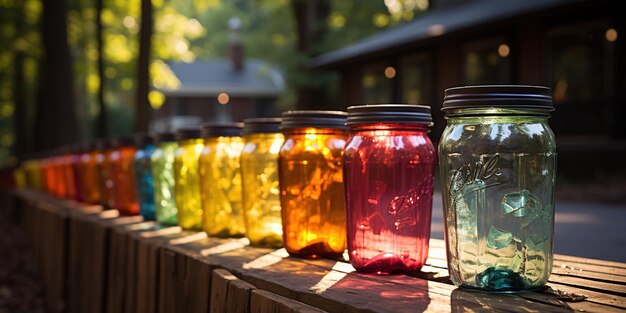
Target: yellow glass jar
(187,185)
(259,176)
(32,170)
(220,180)
(311,183)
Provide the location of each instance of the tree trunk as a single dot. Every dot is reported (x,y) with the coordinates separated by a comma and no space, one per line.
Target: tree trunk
(101,128)
(56,114)
(310,16)
(142,105)
(22,139)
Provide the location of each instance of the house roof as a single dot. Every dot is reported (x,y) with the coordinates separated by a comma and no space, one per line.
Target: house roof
(211,77)
(436,23)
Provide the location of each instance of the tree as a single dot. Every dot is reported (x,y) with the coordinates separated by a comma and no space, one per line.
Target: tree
(142,104)
(56,110)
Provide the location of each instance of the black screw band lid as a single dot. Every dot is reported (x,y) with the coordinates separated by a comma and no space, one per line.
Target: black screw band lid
(221,130)
(500,96)
(313,119)
(102,144)
(164,137)
(122,141)
(188,133)
(143,139)
(261,125)
(389,113)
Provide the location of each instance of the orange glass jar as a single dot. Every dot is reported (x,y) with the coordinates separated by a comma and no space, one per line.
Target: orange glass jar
(102,157)
(68,173)
(311,183)
(88,175)
(123,174)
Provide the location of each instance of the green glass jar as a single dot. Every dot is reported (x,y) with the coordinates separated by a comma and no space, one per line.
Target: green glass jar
(187,177)
(497,160)
(164,180)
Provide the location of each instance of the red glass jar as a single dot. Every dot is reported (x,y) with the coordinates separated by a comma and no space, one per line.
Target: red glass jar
(388,170)
(123,174)
(68,173)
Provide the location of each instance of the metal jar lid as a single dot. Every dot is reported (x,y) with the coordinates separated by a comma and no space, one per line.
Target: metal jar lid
(164,137)
(143,139)
(499,96)
(102,143)
(313,119)
(389,113)
(261,125)
(187,133)
(122,141)
(221,130)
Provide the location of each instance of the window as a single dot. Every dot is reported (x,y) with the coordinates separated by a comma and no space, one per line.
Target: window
(580,67)
(416,84)
(487,62)
(377,83)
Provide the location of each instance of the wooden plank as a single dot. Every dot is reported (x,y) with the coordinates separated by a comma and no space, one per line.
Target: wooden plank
(219,290)
(148,259)
(262,301)
(238,296)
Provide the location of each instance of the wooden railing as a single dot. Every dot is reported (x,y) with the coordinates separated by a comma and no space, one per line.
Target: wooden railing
(96,261)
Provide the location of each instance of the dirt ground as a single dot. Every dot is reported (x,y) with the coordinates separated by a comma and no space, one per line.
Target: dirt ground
(20,287)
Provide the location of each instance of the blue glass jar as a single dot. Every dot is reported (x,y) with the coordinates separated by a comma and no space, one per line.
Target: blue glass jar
(143,175)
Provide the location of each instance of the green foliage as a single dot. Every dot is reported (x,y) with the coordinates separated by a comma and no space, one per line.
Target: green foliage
(19,35)
(183,31)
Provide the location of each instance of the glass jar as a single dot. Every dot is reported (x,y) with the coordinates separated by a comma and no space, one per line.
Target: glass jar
(88,175)
(103,166)
(220,179)
(187,177)
(33,170)
(123,176)
(259,176)
(67,161)
(388,170)
(311,183)
(143,175)
(76,151)
(497,164)
(164,182)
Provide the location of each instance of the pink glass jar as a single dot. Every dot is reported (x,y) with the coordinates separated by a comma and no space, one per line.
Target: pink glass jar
(388,171)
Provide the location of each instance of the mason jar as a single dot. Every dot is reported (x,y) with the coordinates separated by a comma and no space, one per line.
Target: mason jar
(88,175)
(105,178)
(311,183)
(220,179)
(388,171)
(259,176)
(123,174)
(498,164)
(144,144)
(187,186)
(162,165)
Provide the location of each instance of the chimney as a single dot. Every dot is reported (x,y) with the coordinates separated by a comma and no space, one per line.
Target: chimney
(235,46)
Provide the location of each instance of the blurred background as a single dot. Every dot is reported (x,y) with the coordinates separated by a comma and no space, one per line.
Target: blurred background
(74,70)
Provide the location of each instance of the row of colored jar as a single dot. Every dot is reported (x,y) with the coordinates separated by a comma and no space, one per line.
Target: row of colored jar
(321,180)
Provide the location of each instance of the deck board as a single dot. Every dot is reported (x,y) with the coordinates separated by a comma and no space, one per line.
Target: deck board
(124,264)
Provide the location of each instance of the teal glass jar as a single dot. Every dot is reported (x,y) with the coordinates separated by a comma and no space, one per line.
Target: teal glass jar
(497,159)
